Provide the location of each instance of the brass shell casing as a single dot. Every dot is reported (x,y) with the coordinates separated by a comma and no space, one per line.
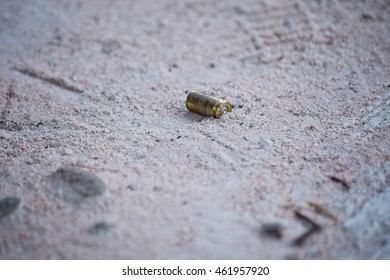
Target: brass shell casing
(206,105)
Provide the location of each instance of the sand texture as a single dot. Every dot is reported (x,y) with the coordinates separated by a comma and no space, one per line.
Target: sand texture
(100,159)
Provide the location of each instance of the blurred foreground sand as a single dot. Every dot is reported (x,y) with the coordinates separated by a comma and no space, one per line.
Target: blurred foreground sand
(103,161)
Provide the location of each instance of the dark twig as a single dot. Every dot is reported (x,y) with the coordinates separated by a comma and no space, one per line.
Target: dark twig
(323,211)
(313,228)
(302,238)
(346,187)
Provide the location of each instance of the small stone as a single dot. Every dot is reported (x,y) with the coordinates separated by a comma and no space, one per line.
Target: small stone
(8,205)
(99,228)
(84,183)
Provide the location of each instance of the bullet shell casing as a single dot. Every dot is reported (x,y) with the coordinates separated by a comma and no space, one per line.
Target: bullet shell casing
(206,105)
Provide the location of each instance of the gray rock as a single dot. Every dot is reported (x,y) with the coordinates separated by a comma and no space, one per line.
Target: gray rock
(83,183)
(99,228)
(8,205)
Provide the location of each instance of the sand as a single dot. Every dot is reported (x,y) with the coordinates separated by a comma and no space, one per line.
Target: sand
(300,169)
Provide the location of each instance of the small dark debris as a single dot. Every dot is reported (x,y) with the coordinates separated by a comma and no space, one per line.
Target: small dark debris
(367,17)
(278,34)
(157,140)
(306,219)
(313,228)
(241,123)
(178,137)
(8,205)
(346,187)
(100,227)
(273,230)
(172,66)
(255,44)
(212,65)
(302,238)
(353,89)
(132,187)
(240,106)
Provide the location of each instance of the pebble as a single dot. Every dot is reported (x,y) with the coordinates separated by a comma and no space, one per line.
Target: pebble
(99,228)
(8,205)
(84,183)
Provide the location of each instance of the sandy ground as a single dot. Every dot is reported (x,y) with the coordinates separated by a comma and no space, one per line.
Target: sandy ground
(100,159)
